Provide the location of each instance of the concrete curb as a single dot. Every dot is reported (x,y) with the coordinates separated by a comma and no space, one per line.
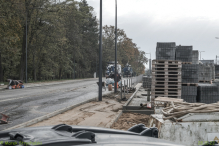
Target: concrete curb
(121,111)
(116,119)
(130,99)
(47,116)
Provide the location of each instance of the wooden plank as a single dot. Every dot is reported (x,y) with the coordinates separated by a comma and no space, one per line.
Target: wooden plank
(173,93)
(167,66)
(170,96)
(166,89)
(166,82)
(166,79)
(178,88)
(167,73)
(166,62)
(166,69)
(167,99)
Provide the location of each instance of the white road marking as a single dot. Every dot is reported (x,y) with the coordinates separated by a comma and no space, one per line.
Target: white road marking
(11,99)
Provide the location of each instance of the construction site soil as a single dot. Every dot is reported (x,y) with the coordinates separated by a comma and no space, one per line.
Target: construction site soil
(128,120)
(98,114)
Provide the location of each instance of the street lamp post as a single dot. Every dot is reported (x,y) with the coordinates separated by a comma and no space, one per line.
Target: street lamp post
(100,55)
(216,59)
(115,74)
(201,54)
(216,55)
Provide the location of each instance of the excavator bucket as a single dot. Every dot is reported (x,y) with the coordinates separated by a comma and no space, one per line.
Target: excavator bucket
(4,119)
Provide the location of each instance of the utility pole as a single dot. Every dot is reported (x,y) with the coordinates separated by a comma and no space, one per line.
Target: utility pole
(149,62)
(115,74)
(96,67)
(100,55)
(1,71)
(26,49)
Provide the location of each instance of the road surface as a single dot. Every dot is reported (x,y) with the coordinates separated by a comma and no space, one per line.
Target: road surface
(26,104)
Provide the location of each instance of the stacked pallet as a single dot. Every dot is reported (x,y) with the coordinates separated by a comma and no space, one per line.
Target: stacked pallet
(190,73)
(190,61)
(165,51)
(184,54)
(208,93)
(147,82)
(217,71)
(166,79)
(209,63)
(195,55)
(205,73)
(189,93)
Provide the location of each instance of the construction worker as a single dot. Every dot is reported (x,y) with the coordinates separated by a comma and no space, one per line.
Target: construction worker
(118,78)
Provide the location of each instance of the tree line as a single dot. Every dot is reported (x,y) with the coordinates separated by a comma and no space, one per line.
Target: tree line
(62,41)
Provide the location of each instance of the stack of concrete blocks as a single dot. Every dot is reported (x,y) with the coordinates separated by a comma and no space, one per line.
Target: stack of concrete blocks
(184,54)
(189,82)
(189,93)
(165,51)
(205,73)
(190,73)
(208,93)
(166,79)
(147,82)
(212,66)
(217,71)
(195,55)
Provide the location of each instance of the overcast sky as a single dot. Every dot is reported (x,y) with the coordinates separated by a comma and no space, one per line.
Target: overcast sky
(186,22)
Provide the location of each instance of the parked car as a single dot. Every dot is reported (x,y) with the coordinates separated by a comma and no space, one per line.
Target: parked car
(65,135)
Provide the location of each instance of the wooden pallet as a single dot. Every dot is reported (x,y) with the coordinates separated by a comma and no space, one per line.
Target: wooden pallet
(166,73)
(201,81)
(166,80)
(166,90)
(170,96)
(166,62)
(186,62)
(165,86)
(169,93)
(166,69)
(166,76)
(166,66)
(189,84)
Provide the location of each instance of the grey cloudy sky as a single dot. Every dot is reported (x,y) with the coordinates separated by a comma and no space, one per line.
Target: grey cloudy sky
(186,22)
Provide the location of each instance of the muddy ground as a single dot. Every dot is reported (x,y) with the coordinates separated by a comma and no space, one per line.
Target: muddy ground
(98,114)
(127,120)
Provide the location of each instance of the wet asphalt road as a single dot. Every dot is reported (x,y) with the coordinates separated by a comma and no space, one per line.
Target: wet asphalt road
(26,104)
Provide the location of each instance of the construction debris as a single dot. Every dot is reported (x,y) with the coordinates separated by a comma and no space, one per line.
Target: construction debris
(179,109)
(128,120)
(4,119)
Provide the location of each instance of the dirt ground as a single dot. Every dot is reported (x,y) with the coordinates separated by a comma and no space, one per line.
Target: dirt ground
(98,114)
(127,120)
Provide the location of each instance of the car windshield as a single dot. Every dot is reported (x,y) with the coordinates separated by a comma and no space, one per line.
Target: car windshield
(111,64)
